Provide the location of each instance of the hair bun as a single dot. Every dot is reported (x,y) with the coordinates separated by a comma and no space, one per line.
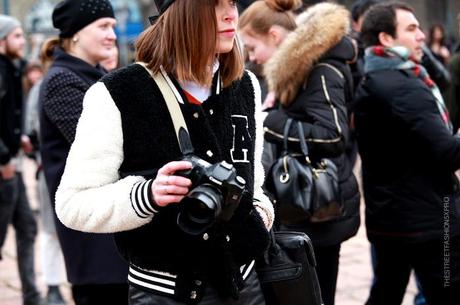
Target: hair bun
(284,5)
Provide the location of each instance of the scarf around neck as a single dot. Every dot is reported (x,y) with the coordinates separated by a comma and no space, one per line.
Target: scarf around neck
(379,58)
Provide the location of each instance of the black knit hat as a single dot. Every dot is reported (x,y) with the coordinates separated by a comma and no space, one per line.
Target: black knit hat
(70,16)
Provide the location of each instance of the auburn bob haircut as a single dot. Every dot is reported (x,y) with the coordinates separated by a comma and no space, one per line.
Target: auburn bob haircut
(183,41)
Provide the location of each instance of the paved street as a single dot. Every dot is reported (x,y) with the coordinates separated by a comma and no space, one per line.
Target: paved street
(353,283)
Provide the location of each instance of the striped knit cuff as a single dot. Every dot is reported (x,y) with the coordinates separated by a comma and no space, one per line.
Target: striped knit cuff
(142,199)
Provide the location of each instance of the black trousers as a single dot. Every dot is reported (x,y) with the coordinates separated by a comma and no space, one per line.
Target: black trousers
(15,209)
(327,268)
(436,264)
(98,294)
(250,295)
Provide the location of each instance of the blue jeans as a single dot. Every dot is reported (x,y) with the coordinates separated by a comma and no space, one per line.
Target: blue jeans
(15,209)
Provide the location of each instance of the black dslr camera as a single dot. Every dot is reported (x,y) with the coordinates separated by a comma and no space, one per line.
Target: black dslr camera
(215,194)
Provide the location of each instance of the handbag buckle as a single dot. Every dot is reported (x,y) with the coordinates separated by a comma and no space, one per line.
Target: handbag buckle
(284,177)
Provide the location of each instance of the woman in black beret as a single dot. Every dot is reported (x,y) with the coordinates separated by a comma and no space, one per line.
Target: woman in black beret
(86,37)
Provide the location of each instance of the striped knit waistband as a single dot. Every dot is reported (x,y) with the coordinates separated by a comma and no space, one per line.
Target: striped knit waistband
(165,283)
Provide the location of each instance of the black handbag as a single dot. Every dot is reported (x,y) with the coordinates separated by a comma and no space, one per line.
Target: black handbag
(302,190)
(287,271)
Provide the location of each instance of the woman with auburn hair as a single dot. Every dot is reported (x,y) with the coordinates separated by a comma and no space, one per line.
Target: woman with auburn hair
(122,174)
(305,64)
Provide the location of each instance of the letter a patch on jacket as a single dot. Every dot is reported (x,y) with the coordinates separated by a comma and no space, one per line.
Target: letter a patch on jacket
(241,139)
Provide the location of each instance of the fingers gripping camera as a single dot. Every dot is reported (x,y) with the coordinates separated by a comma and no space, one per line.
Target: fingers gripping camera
(215,194)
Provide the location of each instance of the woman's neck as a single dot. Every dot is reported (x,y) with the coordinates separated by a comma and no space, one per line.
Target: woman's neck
(200,92)
(83,56)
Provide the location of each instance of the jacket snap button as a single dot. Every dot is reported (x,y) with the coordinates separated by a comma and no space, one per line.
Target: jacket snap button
(211,112)
(196,115)
(198,283)
(205,236)
(210,153)
(227,238)
(193,295)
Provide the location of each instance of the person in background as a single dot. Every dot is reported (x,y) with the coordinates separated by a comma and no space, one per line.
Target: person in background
(436,69)
(410,189)
(315,93)
(456,46)
(86,37)
(126,173)
(358,10)
(14,205)
(437,43)
(453,92)
(33,73)
(111,63)
(51,259)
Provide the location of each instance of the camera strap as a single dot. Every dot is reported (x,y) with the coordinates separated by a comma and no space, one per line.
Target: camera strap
(172,98)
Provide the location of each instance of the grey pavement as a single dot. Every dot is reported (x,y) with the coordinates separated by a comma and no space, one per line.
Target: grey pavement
(355,273)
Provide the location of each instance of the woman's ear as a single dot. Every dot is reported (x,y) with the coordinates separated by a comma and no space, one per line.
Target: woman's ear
(386,39)
(276,34)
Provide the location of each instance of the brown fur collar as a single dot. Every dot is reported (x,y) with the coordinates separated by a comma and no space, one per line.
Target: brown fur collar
(320,27)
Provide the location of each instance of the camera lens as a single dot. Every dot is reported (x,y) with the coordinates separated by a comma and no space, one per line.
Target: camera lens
(200,208)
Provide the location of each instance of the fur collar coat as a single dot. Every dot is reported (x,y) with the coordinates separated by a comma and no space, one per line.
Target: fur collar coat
(320,28)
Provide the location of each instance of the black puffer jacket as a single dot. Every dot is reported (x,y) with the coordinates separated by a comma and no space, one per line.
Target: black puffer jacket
(320,102)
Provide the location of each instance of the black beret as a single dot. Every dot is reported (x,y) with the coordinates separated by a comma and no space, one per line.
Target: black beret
(162,6)
(70,16)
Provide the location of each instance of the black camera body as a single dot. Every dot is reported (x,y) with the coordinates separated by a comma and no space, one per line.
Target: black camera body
(215,194)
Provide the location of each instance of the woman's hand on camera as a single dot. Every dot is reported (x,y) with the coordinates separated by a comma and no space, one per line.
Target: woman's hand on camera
(168,188)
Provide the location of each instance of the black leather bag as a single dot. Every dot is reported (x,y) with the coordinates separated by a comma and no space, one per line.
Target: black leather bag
(287,272)
(302,190)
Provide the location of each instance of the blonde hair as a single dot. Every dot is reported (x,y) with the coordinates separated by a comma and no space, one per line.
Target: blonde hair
(183,41)
(261,15)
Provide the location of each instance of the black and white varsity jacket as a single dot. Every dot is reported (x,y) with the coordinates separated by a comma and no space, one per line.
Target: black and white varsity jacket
(126,130)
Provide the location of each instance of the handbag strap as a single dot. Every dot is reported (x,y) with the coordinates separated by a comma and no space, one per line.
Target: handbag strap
(303,142)
(172,102)
(301,134)
(287,128)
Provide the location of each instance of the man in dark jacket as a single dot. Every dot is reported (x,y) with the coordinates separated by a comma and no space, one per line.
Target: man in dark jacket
(453,92)
(409,157)
(14,206)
